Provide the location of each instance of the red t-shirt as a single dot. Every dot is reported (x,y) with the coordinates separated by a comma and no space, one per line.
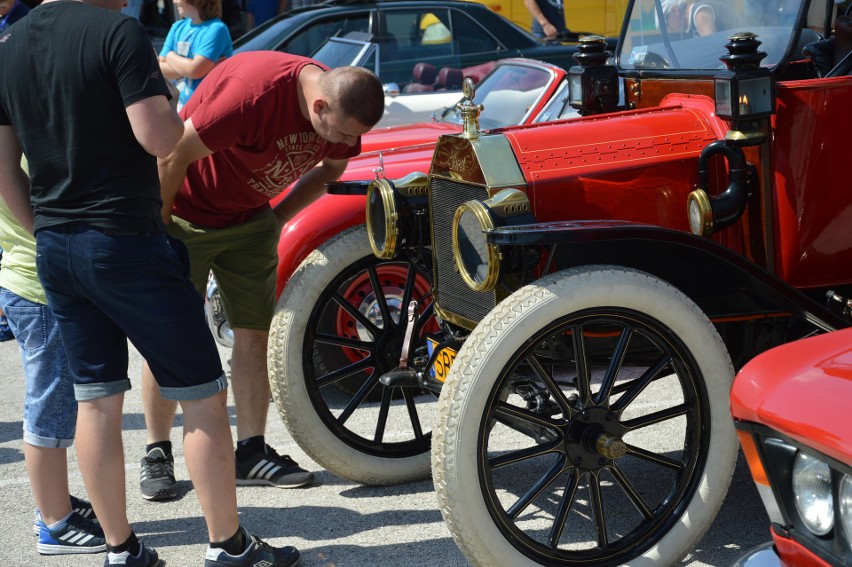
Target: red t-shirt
(247,112)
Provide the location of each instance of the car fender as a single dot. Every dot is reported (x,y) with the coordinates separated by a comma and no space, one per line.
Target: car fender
(326,217)
(726,285)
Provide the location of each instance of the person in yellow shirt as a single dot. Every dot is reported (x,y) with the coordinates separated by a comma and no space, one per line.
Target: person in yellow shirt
(64,523)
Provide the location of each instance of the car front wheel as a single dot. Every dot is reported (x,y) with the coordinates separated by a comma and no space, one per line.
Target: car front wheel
(338,327)
(585,422)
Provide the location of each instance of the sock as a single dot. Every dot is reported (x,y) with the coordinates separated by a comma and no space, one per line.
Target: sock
(131,545)
(60,523)
(234,545)
(251,446)
(166,446)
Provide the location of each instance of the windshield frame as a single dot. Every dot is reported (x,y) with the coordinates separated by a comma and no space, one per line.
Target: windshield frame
(628,46)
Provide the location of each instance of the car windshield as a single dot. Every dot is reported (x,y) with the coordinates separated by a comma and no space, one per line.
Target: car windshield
(507,94)
(339,52)
(689,34)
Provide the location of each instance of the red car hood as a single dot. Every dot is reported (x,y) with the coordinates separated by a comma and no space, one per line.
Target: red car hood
(801,389)
(397,162)
(405,135)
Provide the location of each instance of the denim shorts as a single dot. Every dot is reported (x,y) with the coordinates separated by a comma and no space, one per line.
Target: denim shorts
(50,410)
(244,259)
(106,288)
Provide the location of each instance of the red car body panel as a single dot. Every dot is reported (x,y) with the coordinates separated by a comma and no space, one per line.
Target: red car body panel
(809,155)
(802,389)
(792,553)
(408,135)
(587,166)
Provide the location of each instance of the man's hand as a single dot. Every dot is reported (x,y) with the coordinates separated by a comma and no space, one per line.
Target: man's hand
(309,188)
(550,31)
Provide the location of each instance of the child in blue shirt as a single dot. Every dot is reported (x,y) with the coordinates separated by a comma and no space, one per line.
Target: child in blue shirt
(194,45)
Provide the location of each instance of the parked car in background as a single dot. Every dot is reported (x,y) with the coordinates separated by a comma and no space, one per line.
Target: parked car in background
(462,34)
(578,294)
(791,412)
(425,91)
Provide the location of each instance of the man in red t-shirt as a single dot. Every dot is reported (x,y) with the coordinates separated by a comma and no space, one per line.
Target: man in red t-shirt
(257,123)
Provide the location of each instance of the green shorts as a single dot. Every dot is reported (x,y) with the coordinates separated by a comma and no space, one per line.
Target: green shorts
(244,259)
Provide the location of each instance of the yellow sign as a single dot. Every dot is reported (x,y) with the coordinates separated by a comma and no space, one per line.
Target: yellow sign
(443,361)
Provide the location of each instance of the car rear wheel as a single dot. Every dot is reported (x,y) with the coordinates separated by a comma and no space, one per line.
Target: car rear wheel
(585,422)
(338,327)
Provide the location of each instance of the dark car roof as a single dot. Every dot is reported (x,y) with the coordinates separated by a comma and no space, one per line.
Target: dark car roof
(516,41)
(508,32)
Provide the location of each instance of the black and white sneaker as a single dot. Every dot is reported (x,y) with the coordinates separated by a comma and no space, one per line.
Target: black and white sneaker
(271,469)
(147,557)
(157,475)
(76,535)
(78,505)
(257,553)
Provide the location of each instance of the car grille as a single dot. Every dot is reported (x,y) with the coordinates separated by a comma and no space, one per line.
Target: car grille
(452,295)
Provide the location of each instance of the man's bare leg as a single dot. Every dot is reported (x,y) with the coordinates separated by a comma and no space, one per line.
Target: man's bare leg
(250,382)
(157,480)
(47,468)
(159,412)
(101,455)
(208,448)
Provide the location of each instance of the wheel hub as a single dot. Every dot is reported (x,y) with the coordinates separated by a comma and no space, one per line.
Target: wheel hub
(593,439)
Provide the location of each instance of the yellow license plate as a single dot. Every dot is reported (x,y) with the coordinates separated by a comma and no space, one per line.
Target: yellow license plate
(443,361)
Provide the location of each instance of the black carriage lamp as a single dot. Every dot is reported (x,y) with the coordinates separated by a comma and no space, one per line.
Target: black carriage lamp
(593,85)
(745,92)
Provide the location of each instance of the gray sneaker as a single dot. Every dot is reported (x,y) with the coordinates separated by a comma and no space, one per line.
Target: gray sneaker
(157,476)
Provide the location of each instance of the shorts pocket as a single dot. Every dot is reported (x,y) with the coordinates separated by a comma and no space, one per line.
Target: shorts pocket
(125,268)
(29,325)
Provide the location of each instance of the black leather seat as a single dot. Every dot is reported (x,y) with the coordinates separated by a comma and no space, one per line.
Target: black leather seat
(832,56)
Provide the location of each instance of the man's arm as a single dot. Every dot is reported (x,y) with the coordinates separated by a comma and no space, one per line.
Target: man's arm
(155,124)
(167,70)
(14,183)
(550,30)
(309,188)
(172,168)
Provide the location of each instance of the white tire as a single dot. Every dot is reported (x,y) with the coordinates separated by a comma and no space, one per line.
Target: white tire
(312,338)
(655,495)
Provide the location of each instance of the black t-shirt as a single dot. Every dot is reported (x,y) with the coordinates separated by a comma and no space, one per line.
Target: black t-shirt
(69,71)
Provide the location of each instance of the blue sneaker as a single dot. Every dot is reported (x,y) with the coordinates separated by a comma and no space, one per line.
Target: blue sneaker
(76,535)
(257,553)
(147,557)
(82,507)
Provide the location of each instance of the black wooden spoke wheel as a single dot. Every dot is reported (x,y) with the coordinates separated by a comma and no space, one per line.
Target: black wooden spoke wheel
(339,326)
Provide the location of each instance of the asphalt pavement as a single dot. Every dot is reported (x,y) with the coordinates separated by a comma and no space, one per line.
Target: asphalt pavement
(333,523)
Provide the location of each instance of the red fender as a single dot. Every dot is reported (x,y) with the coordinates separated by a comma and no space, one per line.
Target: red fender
(326,217)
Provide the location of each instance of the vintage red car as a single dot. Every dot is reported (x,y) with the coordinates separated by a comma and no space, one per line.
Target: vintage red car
(791,412)
(577,295)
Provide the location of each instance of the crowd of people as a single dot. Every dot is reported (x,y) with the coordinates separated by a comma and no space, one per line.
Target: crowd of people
(116,207)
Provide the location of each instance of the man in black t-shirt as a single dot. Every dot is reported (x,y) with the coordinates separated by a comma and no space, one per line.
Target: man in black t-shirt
(82,96)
